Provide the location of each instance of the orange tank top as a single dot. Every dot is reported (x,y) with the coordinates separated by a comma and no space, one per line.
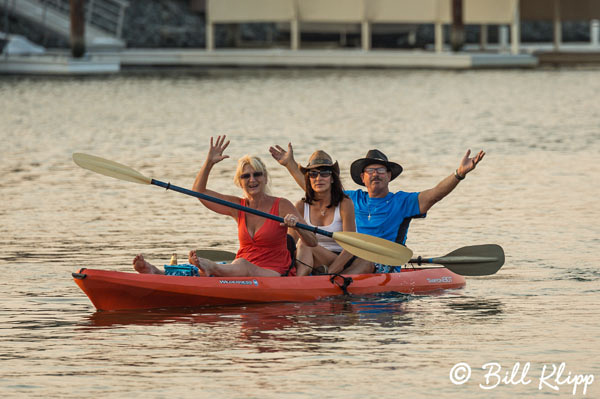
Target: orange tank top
(268,247)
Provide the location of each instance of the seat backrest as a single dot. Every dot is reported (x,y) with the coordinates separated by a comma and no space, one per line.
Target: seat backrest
(291,246)
(403,229)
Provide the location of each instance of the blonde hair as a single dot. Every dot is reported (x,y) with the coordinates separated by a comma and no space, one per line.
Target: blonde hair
(255,163)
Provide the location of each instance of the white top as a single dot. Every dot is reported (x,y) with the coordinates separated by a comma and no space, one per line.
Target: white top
(324,241)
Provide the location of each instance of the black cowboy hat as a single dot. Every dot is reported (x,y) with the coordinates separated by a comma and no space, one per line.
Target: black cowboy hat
(373,156)
(320,159)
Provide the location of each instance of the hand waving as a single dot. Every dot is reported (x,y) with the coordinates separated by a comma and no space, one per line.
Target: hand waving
(282,156)
(215,153)
(468,164)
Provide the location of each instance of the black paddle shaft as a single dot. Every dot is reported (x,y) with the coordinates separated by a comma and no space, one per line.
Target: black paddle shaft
(239,207)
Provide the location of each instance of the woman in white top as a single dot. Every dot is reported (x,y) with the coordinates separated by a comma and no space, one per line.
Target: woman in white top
(324,205)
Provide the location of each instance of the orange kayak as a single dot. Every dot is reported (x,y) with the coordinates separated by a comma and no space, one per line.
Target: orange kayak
(112,290)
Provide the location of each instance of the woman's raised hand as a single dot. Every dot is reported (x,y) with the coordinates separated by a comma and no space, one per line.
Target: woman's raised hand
(282,156)
(215,153)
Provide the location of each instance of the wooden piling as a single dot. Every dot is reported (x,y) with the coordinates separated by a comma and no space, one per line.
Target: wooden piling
(457,31)
(77,28)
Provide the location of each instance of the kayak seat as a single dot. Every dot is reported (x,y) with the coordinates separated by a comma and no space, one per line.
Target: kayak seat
(291,246)
(403,229)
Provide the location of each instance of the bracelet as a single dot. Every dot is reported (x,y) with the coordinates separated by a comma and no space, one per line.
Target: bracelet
(458,177)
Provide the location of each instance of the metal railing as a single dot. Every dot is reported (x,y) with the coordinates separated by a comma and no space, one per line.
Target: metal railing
(107,15)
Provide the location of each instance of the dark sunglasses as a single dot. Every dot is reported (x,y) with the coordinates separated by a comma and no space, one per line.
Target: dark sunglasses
(254,174)
(322,172)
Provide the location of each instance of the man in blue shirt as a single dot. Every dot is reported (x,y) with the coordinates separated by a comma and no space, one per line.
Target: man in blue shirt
(379,212)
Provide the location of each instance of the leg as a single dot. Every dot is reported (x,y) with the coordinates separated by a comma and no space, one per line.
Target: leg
(312,257)
(339,263)
(238,268)
(304,259)
(141,266)
(360,266)
(323,256)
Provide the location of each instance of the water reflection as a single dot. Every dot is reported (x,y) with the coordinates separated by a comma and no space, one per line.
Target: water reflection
(267,328)
(255,319)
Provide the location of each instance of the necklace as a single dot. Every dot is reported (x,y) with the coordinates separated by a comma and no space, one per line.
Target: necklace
(375,207)
(322,210)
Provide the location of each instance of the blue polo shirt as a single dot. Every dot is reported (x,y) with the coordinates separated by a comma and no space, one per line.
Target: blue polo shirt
(386,217)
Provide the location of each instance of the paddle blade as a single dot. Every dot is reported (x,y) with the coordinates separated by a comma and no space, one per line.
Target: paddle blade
(216,255)
(373,249)
(109,168)
(475,260)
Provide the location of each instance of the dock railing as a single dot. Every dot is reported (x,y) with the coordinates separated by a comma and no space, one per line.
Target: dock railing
(107,15)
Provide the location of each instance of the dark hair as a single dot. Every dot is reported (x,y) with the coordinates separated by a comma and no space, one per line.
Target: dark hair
(337,190)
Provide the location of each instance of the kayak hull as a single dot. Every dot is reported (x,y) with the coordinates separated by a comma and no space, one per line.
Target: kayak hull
(112,290)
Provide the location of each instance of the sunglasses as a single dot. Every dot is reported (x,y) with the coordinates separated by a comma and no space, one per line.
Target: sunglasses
(323,173)
(371,171)
(246,176)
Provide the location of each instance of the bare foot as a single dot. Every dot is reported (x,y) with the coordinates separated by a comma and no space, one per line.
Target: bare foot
(141,266)
(193,259)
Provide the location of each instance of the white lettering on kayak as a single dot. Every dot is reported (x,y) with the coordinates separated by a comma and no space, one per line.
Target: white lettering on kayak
(240,282)
(446,279)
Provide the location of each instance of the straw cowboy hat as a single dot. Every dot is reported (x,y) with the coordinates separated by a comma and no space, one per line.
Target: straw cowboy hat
(320,159)
(373,156)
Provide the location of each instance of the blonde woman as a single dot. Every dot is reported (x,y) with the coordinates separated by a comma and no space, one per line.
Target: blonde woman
(263,242)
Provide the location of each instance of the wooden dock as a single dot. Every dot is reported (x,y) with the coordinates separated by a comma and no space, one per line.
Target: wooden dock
(61,63)
(327,58)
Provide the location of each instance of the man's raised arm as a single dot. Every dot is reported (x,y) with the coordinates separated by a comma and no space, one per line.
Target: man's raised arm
(429,197)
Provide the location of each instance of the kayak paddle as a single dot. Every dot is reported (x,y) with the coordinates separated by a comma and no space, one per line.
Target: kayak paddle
(364,246)
(216,255)
(475,260)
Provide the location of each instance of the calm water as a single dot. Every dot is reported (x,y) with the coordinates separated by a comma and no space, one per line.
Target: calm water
(536,194)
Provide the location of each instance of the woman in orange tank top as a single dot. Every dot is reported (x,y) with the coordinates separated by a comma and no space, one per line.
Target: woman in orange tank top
(263,242)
